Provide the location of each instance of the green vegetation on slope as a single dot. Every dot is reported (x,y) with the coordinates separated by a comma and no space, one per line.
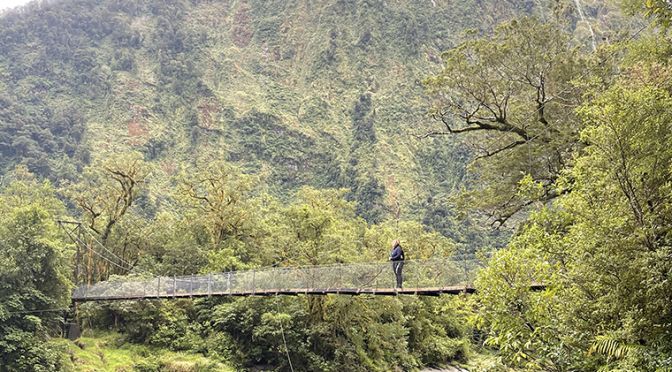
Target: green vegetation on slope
(109,352)
(303,93)
(214,219)
(34,273)
(600,235)
(210,136)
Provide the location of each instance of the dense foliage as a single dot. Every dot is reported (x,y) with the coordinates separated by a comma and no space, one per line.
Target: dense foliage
(228,222)
(604,247)
(298,91)
(34,274)
(206,136)
(602,244)
(514,98)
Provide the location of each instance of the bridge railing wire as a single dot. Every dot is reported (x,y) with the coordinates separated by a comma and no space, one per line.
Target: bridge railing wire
(419,274)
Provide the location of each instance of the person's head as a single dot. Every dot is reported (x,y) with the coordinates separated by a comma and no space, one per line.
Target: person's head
(395,243)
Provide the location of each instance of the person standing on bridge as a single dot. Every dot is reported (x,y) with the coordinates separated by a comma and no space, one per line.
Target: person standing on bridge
(397,258)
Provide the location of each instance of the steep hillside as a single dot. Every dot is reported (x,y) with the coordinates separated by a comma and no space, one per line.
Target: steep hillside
(321,93)
(206,137)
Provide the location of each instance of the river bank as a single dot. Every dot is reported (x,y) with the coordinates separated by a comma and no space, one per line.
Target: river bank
(108,352)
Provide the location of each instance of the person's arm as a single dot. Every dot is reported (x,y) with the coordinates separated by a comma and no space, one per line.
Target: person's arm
(396,253)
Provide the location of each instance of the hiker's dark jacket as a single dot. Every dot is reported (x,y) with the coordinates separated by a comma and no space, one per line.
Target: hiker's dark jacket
(397,253)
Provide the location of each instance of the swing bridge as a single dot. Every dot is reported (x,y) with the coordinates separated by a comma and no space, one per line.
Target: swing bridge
(433,277)
(430,277)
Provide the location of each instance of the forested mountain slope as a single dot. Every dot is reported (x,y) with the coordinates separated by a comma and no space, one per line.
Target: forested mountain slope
(321,93)
(212,136)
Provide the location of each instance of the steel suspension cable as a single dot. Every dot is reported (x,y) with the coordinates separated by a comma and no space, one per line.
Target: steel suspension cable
(87,230)
(36,311)
(79,241)
(282,331)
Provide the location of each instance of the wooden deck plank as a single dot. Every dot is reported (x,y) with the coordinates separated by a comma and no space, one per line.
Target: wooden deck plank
(429,291)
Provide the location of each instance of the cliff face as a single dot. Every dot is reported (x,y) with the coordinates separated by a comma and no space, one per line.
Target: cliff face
(325,93)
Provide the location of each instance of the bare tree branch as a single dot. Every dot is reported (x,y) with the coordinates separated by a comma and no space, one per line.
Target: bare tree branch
(495,152)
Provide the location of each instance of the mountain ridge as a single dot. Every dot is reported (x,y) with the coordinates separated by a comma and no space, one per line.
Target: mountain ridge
(326,94)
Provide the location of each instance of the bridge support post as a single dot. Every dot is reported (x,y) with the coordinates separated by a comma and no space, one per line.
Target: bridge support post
(174,285)
(339,270)
(417,277)
(274,280)
(466,273)
(254,284)
(209,284)
(191,285)
(71,327)
(158,287)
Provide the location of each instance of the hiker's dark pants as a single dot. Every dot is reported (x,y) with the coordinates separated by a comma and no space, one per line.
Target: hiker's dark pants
(397,266)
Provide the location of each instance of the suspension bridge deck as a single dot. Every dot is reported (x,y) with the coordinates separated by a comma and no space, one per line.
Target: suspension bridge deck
(454,290)
(421,277)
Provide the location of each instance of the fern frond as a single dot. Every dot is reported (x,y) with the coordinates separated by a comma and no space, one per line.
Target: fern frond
(613,348)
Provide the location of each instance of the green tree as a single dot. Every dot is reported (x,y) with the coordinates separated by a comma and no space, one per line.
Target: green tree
(106,196)
(659,11)
(602,248)
(216,203)
(34,274)
(321,227)
(512,95)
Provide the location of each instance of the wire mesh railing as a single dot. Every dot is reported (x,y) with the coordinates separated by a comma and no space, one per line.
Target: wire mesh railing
(356,277)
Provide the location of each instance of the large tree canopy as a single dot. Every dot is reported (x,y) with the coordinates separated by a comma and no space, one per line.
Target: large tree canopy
(34,274)
(604,248)
(513,93)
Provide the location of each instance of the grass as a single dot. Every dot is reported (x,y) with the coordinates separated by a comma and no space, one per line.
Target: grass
(486,361)
(108,352)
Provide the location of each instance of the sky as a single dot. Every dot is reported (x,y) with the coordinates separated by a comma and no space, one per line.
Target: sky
(4,4)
